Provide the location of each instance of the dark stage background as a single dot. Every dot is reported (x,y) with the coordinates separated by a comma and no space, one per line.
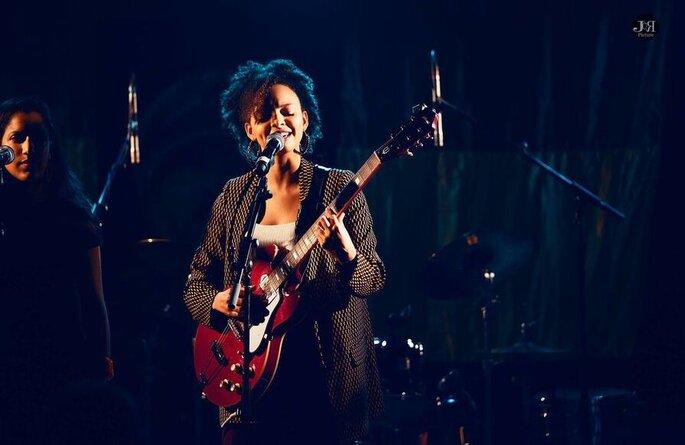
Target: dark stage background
(570,78)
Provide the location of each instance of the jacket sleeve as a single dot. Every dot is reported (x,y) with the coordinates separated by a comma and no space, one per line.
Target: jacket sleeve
(206,268)
(365,275)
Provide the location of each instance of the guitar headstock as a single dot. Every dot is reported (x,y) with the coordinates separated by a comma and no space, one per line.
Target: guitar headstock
(411,135)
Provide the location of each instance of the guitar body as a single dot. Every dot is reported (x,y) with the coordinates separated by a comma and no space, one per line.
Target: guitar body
(219,379)
(219,355)
(218,358)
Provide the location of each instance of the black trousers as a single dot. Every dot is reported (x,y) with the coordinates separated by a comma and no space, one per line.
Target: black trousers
(295,409)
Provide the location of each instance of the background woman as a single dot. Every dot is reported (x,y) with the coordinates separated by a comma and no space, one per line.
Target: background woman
(54,326)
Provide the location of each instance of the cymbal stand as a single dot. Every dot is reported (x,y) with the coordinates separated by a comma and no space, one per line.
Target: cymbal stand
(489,301)
(524,379)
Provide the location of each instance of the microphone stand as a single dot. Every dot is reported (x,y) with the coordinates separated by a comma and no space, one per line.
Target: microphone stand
(2,203)
(100,206)
(441,103)
(129,145)
(489,296)
(582,197)
(245,256)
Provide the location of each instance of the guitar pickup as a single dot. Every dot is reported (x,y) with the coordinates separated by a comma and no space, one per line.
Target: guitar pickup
(219,354)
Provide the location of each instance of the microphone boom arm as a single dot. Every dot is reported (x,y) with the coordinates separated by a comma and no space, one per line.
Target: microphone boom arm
(100,205)
(129,146)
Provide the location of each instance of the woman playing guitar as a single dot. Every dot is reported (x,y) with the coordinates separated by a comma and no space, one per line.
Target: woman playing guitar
(324,385)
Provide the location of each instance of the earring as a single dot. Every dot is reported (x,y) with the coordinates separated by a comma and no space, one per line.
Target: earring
(305,149)
(250,149)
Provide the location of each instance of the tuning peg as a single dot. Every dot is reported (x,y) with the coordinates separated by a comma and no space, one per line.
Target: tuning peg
(409,153)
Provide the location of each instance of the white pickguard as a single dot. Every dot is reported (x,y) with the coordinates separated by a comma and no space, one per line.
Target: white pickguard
(258,331)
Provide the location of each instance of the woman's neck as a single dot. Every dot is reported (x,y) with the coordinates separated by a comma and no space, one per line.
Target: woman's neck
(284,171)
(24,190)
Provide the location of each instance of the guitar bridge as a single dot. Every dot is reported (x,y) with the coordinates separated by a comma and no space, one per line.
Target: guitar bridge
(236,327)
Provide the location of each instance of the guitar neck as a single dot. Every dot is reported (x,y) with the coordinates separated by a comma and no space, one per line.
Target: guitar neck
(344,199)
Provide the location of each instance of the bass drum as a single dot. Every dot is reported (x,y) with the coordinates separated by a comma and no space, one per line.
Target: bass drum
(400,364)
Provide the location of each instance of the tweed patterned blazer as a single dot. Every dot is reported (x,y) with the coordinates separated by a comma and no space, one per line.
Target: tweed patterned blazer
(338,293)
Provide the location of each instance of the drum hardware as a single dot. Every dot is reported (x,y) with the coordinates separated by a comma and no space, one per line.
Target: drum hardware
(524,352)
(611,416)
(472,266)
(456,412)
(524,348)
(400,358)
(406,420)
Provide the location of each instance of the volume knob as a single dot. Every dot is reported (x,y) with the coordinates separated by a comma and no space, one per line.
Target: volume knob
(238,369)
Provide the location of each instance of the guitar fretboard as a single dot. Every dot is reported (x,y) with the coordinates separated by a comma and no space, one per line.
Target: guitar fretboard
(344,199)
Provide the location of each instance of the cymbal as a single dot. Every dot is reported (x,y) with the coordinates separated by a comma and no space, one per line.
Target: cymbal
(162,253)
(459,269)
(526,348)
(154,271)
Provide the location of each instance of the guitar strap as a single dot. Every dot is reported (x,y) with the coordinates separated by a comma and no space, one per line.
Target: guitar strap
(313,205)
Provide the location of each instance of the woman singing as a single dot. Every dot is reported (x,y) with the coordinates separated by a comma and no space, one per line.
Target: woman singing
(326,387)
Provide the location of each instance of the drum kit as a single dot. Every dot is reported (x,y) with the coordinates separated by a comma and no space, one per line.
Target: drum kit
(471,266)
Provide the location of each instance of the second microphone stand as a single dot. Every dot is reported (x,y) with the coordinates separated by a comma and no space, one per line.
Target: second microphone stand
(582,197)
(100,206)
(130,146)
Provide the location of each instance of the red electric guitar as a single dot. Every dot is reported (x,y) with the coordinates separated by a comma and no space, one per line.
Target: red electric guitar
(219,355)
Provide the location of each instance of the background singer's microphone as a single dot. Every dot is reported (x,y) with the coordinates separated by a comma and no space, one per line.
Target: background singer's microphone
(437,97)
(6,155)
(274,143)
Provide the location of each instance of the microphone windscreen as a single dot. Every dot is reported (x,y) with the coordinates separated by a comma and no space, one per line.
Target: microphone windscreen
(276,138)
(6,154)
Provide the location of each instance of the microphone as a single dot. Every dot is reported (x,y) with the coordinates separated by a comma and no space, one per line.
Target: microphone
(437,100)
(6,155)
(134,147)
(274,143)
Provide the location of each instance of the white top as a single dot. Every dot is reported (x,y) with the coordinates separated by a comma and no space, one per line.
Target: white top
(282,235)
